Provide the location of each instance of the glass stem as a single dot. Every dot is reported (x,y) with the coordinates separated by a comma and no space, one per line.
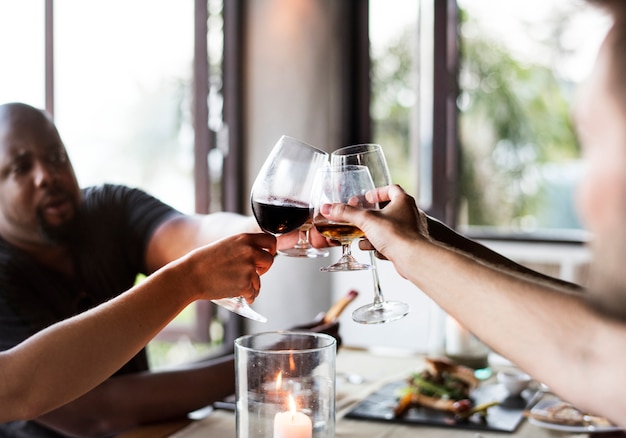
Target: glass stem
(346,250)
(378,293)
(303,238)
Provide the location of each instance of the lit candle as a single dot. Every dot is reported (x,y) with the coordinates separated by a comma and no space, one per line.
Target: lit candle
(292,424)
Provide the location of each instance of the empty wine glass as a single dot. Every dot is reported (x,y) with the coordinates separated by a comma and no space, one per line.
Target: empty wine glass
(345,185)
(372,156)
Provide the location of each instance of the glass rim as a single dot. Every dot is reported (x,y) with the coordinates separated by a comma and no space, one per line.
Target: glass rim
(351,149)
(344,167)
(331,341)
(303,143)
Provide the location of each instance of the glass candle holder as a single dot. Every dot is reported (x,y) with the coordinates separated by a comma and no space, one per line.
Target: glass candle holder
(285,385)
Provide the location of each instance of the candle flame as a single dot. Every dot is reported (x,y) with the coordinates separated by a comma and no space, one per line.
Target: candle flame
(292,404)
(279,380)
(292,363)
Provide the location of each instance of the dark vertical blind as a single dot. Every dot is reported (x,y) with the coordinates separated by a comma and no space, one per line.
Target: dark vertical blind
(233,196)
(357,126)
(445,143)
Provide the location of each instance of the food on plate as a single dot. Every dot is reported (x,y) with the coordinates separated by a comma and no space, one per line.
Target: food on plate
(566,414)
(442,385)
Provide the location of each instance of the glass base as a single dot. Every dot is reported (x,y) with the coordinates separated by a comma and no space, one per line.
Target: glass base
(380,313)
(239,306)
(346,263)
(304,251)
(349,266)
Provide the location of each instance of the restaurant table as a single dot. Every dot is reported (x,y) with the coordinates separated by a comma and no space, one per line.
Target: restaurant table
(359,373)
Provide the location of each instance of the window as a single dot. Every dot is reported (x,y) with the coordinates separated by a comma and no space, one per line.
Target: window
(394,39)
(520,65)
(122,92)
(511,170)
(22,75)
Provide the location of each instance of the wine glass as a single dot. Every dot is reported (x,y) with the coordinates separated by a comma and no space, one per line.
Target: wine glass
(346,185)
(280,198)
(372,156)
(281,193)
(303,248)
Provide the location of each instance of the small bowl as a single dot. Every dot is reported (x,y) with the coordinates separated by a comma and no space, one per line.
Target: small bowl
(514,381)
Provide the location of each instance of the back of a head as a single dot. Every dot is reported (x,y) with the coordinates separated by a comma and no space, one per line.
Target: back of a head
(17,114)
(20,120)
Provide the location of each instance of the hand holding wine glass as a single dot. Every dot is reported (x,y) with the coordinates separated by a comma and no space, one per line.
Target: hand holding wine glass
(372,156)
(346,185)
(280,198)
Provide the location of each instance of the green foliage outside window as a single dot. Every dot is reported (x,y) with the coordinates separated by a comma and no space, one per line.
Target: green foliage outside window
(514,121)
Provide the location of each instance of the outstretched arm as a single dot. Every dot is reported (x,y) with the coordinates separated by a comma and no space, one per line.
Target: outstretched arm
(440,232)
(547,330)
(71,357)
(181,234)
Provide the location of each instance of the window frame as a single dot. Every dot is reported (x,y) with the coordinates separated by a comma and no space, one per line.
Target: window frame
(445,143)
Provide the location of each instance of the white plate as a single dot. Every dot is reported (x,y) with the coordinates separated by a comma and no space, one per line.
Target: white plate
(549,401)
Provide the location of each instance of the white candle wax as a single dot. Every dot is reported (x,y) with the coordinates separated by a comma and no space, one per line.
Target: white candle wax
(292,424)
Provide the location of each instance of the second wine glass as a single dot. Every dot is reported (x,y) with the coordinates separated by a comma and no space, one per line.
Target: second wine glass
(343,185)
(372,156)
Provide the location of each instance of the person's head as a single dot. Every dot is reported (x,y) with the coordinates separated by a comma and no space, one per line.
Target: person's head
(600,116)
(39,193)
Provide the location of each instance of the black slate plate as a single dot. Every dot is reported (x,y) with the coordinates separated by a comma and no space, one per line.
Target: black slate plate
(504,417)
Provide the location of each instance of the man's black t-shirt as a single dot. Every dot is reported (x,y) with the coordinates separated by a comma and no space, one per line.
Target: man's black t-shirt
(116,223)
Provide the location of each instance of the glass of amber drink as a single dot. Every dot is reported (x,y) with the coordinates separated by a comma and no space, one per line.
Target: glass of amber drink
(344,185)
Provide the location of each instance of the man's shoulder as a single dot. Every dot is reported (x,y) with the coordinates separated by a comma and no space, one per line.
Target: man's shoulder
(121,204)
(115,196)
(110,191)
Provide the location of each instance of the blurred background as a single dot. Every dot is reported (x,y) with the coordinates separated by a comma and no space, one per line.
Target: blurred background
(470,100)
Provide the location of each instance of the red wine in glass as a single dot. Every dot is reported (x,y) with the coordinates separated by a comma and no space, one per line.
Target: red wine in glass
(280,216)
